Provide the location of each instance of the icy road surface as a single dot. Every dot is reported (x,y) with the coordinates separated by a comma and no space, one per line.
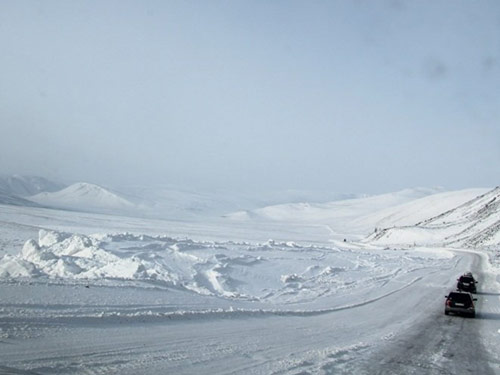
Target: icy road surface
(129,304)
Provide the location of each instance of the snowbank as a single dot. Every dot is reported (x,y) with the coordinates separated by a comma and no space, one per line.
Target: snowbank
(274,272)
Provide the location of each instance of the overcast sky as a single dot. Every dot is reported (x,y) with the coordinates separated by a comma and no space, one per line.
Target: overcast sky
(350,96)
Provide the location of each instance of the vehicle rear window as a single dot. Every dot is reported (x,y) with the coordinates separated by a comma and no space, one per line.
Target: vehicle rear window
(466,279)
(460,297)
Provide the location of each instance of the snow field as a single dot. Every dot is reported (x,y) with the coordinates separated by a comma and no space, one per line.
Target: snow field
(68,279)
(145,296)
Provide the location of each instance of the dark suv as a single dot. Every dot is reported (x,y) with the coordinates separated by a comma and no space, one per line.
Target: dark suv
(460,303)
(467,283)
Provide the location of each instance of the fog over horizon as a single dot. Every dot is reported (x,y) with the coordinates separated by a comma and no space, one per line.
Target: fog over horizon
(352,97)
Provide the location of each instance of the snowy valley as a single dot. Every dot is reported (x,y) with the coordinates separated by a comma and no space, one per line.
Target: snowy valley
(93,282)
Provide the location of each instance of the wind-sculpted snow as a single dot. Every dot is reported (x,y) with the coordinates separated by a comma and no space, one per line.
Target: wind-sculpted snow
(279,273)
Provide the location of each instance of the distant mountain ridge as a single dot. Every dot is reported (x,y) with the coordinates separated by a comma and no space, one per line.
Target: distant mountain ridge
(162,202)
(14,200)
(15,190)
(25,186)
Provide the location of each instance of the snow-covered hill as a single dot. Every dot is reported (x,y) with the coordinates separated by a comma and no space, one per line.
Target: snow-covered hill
(14,200)
(161,202)
(24,186)
(471,224)
(180,203)
(417,210)
(169,202)
(417,215)
(345,216)
(85,197)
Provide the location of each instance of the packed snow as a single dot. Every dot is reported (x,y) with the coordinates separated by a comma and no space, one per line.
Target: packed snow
(92,293)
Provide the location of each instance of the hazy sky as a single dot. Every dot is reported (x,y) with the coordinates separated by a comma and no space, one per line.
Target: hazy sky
(352,96)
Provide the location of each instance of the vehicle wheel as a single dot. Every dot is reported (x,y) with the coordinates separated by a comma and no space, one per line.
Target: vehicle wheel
(446,313)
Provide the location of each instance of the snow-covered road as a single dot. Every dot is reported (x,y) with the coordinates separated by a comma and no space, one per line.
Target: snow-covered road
(401,330)
(445,344)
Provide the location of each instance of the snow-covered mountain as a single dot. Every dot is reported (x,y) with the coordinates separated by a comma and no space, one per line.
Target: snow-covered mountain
(14,200)
(15,189)
(85,197)
(471,224)
(412,215)
(163,202)
(24,186)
